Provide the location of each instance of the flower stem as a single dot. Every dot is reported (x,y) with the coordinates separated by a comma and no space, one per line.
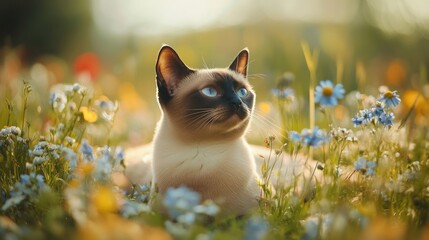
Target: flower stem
(311,60)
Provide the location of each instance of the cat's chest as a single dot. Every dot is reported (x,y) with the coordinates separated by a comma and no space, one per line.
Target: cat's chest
(194,158)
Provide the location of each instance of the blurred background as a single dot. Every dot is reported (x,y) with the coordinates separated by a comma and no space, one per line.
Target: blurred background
(112,46)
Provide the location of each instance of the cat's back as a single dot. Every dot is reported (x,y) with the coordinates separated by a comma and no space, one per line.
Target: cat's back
(138,164)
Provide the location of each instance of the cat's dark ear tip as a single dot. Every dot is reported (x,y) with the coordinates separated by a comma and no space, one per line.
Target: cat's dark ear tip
(164,47)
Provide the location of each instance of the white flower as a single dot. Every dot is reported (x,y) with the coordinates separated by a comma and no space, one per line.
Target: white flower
(58,101)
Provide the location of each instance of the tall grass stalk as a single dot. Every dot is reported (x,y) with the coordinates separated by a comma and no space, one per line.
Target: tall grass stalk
(340,69)
(26,93)
(311,58)
(360,75)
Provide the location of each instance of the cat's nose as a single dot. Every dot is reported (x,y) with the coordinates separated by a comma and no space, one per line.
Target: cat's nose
(236,104)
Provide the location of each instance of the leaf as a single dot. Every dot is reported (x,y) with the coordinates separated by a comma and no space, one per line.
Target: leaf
(405,119)
(264,168)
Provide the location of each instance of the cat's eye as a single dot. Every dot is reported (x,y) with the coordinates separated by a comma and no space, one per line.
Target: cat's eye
(242,92)
(209,92)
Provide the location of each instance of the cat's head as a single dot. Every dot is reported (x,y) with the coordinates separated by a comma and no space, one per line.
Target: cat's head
(206,104)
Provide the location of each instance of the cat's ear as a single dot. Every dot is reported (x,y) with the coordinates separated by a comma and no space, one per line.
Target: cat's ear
(170,70)
(240,62)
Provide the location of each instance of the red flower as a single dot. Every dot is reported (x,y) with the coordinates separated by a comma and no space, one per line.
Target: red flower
(87,63)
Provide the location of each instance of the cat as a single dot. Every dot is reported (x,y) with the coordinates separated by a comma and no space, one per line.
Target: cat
(199,142)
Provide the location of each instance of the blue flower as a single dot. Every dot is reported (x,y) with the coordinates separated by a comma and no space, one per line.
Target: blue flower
(28,187)
(132,208)
(71,156)
(370,170)
(309,137)
(357,121)
(256,228)
(387,119)
(283,93)
(187,218)
(295,136)
(311,230)
(103,165)
(180,200)
(360,164)
(364,166)
(366,116)
(314,137)
(390,99)
(378,110)
(327,94)
(86,150)
(208,208)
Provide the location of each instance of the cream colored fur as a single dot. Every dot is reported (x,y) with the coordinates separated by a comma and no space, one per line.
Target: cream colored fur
(216,160)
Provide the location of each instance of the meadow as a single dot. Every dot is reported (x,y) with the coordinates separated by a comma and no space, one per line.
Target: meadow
(61,143)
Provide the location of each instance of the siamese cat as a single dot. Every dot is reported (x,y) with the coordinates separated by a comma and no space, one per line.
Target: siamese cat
(200,140)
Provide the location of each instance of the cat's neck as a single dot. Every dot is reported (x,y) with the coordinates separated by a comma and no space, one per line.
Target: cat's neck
(167,130)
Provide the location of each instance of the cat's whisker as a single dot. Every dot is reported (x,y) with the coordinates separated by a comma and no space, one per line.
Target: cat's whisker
(276,130)
(266,120)
(198,119)
(195,113)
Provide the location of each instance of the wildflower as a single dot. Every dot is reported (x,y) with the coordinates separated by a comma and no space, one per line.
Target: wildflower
(39,160)
(180,200)
(141,193)
(390,99)
(294,136)
(386,119)
(43,151)
(28,187)
(327,94)
(86,150)
(88,114)
(120,153)
(70,140)
(208,208)
(107,107)
(311,230)
(309,137)
(357,121)
(378,109)
(256,228)
(187,218)
(104,200)
(366,116)
(370,168)
(10,130)
(132,208)
(360,164)
(71,156)
(283,93)
(103,166)
(87,63)
(58,101)
(341,134)
(366,167)
(76,87)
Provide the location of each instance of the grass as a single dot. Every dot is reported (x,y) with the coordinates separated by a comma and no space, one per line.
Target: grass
(55,177)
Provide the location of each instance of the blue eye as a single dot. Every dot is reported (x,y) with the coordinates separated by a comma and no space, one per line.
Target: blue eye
(242,92)
(209,92)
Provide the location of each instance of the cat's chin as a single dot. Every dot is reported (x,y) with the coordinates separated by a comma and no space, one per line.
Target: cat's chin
(232,123)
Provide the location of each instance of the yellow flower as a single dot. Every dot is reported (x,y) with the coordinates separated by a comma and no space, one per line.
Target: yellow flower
(74,183)
(264,107)
(89,115)
(104,200)
(85,169)
(111,226)
(129,96)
